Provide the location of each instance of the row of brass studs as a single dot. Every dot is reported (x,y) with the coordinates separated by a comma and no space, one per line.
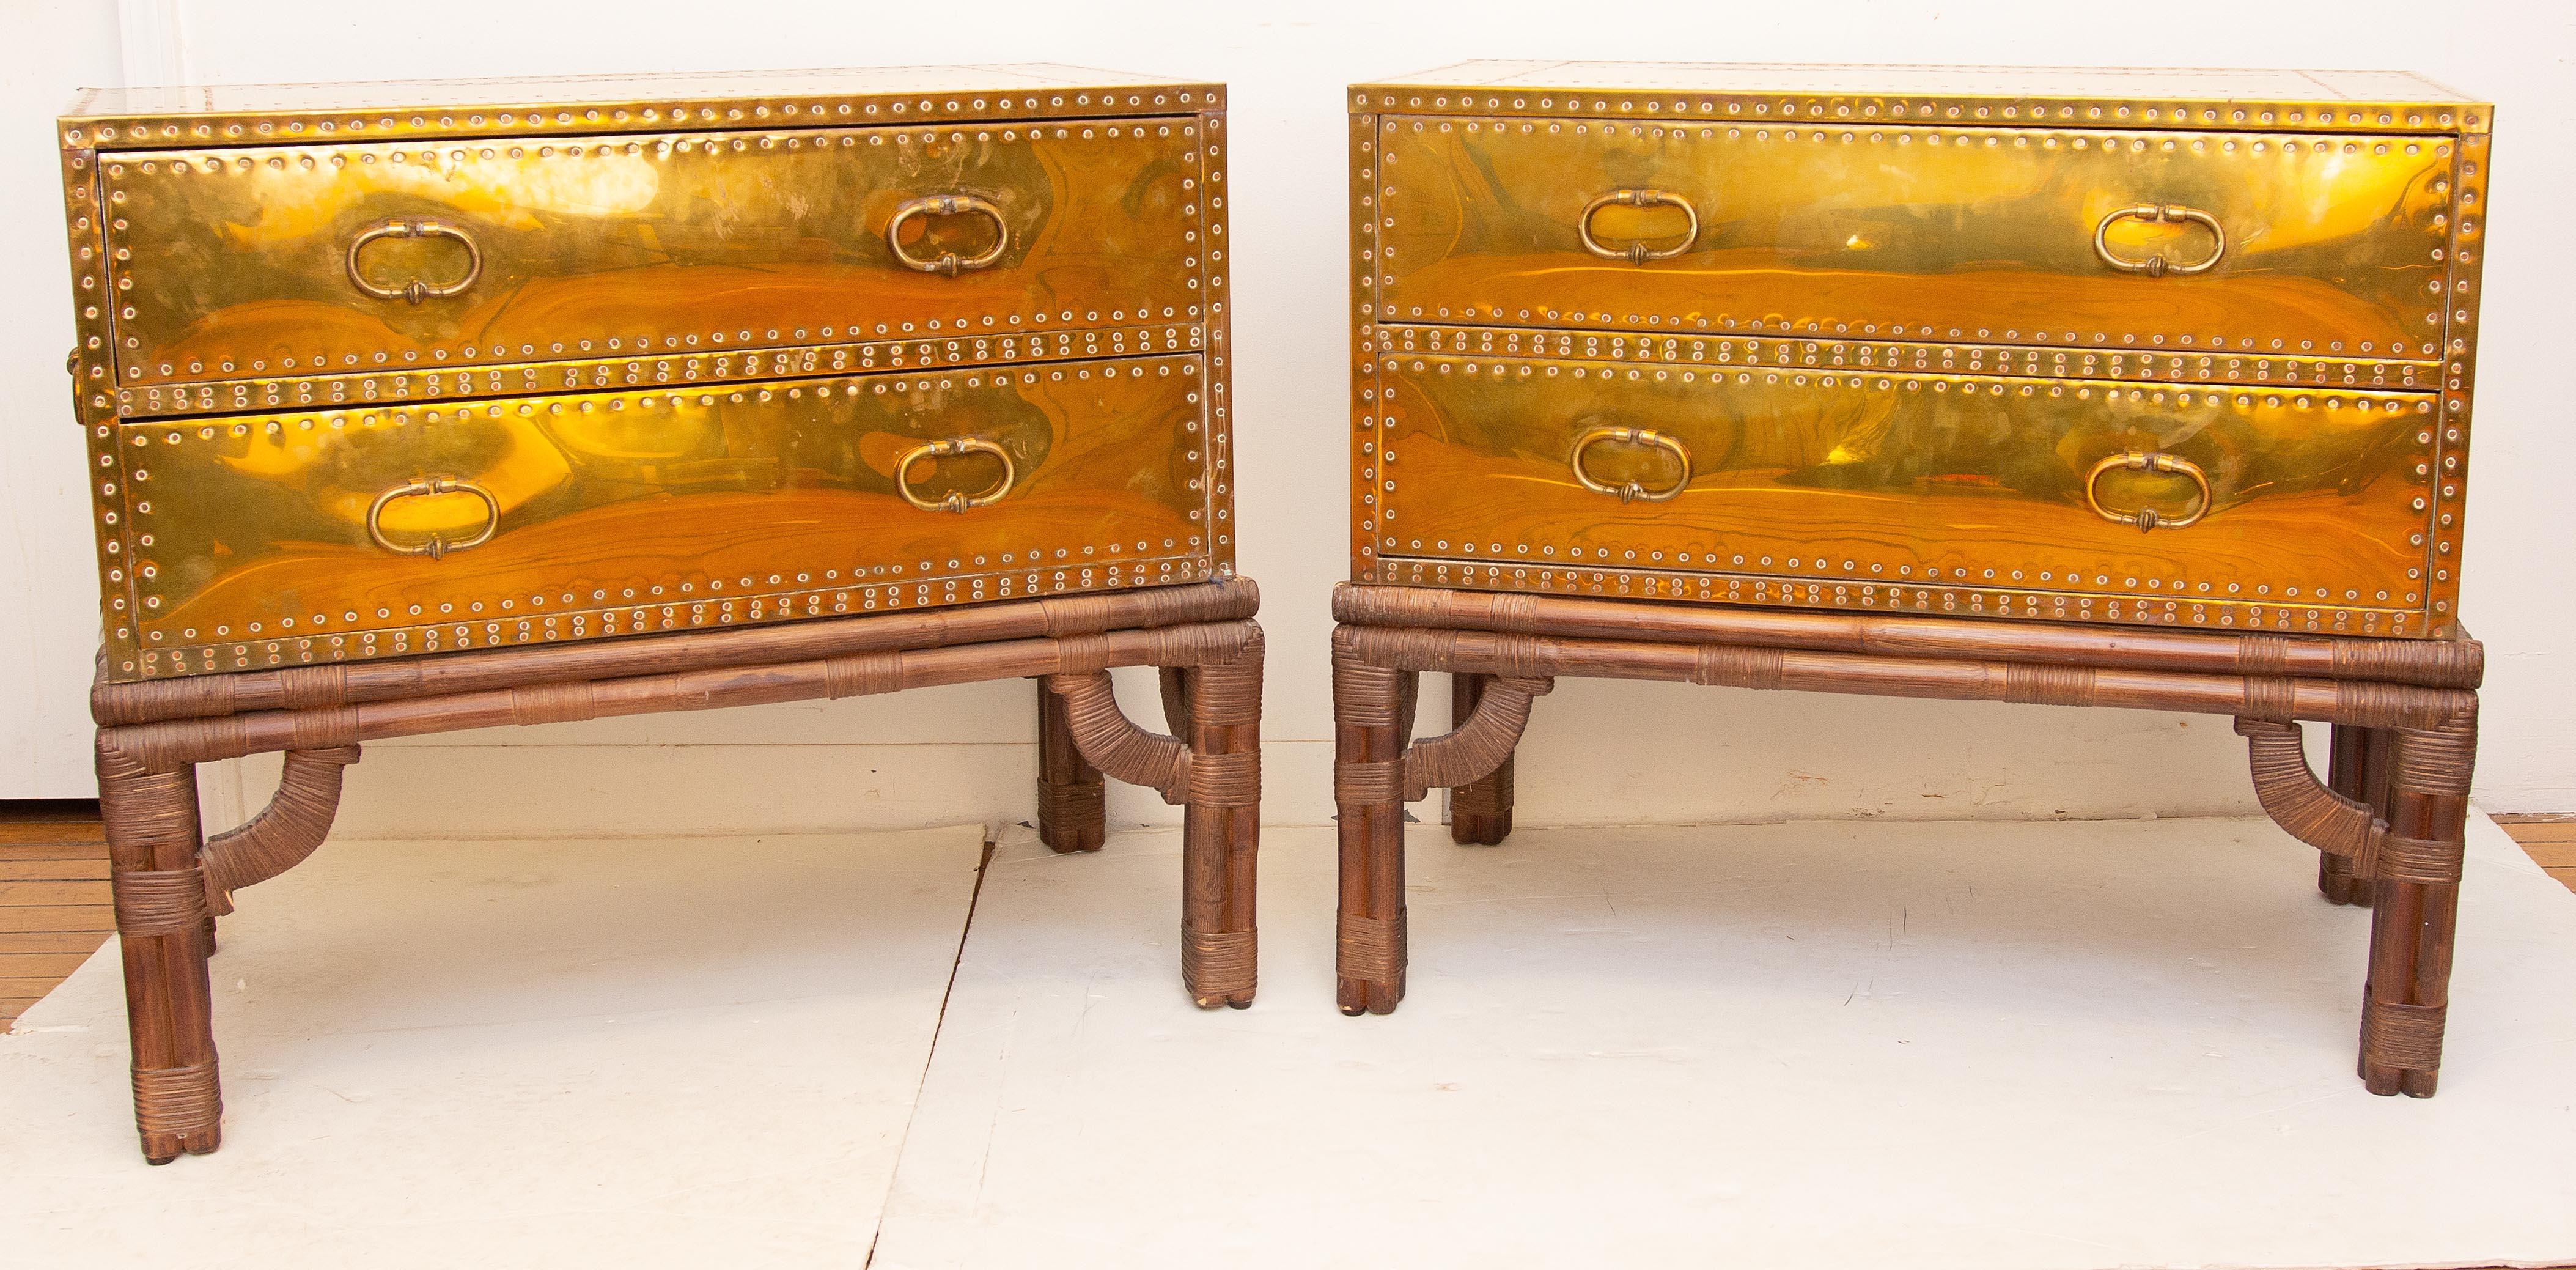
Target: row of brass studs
(2251,115)
(1814,354)
(138,131)
(397,387)
(2442,558)
(639,619)
(2143,610)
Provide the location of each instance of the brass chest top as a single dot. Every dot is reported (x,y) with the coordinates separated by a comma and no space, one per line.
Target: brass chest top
(2262,100)
(142,118)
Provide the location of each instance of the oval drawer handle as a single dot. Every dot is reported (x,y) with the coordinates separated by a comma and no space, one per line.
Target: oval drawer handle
(2167,213)
(955,502)
(1636,253)
(437,545)
(2145,518)
(948,205)
(415,290)
(1630,491)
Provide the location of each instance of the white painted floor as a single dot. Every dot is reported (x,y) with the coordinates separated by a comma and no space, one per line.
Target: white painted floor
(1819,1044)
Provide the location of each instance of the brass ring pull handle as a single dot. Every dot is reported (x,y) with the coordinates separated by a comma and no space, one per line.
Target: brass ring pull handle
(2167,213)
(959,503)
(415,290)
(1631,490)
(437,545)
(948,265)
(2145,518)
(1636,253)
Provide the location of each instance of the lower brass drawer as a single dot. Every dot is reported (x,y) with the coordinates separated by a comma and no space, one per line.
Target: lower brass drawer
(390,530)
(2298,509)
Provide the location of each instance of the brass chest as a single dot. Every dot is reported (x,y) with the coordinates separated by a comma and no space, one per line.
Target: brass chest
(2189,349)
(381,370)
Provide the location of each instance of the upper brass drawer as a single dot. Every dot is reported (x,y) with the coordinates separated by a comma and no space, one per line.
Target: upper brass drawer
(304,260)
(380,531)
(2278,508)
(2279,244)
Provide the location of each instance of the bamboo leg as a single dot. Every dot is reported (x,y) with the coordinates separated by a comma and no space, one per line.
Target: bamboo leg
(2407,998)
(1368,789)
(2358,771)
(1175,683)
(1480,812)
(1071,816)
(1221,829)
(160,891)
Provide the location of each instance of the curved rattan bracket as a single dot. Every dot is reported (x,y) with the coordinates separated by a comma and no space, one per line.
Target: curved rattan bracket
(1479,743)
(2302,805)
(283,834)
(1111,742)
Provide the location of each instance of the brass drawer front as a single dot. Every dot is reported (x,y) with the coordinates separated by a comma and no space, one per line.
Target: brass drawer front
(381,531)
(2244,507)
(288,261)
(2281,245)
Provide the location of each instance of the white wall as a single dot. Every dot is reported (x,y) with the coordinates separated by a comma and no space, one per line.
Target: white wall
(1598,751)
(48,600)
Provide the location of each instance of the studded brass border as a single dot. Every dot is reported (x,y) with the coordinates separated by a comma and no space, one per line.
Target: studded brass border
(1813,352)
(1213,273)
(567,118)
(323,392)
(91,367)
(2468,262)
(1967,109)
(1895,597)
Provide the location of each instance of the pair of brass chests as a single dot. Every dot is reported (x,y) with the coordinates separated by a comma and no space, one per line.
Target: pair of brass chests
(433,406)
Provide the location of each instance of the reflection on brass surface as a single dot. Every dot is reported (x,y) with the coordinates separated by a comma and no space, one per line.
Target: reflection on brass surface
(1926,233)
(662,509)
(236,264)
(1887,482)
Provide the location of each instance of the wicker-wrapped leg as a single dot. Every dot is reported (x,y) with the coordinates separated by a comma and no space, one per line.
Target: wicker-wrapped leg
(2358,771)
(1368,792)
(1071,816)
(160,893)
(1221,829)
(2415,909)
(1480,811)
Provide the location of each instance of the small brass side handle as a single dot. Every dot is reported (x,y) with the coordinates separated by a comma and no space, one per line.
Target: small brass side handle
(2146,518)
(1630,491)
(437,545)
(1636,253)
(2157,266)
(959,503)
(414,290)
(948,264)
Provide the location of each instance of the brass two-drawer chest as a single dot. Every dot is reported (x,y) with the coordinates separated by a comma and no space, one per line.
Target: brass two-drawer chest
(2085,387)
(403,399)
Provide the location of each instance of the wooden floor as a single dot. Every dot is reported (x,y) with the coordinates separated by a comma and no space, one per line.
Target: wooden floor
(53,897)
(54,908)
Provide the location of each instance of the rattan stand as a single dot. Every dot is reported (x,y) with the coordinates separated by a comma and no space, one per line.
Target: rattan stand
(170,881)
(2389,826)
